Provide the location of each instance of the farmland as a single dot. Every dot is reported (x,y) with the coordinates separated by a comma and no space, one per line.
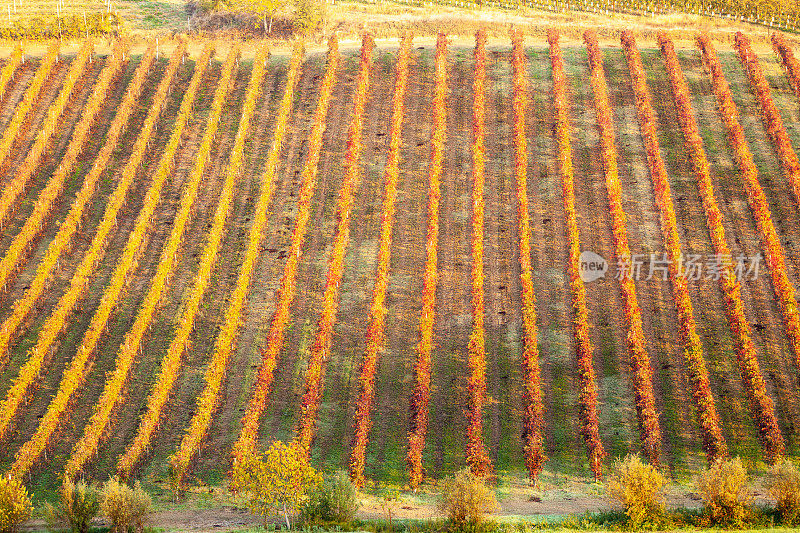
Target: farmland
(375,251)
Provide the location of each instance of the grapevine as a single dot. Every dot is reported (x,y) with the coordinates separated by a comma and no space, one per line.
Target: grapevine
(713,441)
(56,322)
(375,330)
(15,253)
(320,349)
(587,397)
(533,409)
(476,456)
(209,397)
(760,403)
(422,366)
(69,228)
(115,383)
(772,117)
(642,374)
(770,243)
(13,189)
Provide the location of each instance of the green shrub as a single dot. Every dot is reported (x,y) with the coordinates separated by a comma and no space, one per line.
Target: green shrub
(78,504)
(15,505)
(784,486)
(126,507)
(639,488)
(334,500)
(723,487)
(466,500)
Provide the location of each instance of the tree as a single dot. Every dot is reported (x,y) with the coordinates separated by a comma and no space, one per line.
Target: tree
(264,8)
(277,482)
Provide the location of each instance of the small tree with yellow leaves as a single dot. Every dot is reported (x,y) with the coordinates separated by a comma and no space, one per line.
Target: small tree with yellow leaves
(15,504)
(277,482)
(639,488)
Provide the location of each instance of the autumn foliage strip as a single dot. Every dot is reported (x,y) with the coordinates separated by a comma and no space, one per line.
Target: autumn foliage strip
(587,395)
(74,218)
(321,347)
(21,112)
(75,375)
(22,174)
(753,382)
(641,372)
(112,392)
(533,408)
(769,112)
(708,418)
(770,243)
(377,316)
(7,73)
(788,60)
(476,455)
(50,332)
(257,403)
(171,363)
(209,398)
(418,404)
(16,252)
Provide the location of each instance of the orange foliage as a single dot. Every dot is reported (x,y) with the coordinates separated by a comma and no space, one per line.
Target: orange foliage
(641,373)
(7,73)
(75,216)
(21,111)
(753,382)
(209,398)
(790,63)
(476,455)
(34,224)
(533,409)
(35,154)
(74,376)
(85,448)
(713,441)
(770,243)
(320,349)
(418,404)
(375,331)
(53,326)
(770,114)
(257,403)
(587,396)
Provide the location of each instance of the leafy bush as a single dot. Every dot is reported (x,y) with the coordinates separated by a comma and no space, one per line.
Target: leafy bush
(784,486)
(15,504)
(79,503)
(724,490)
(126,507)
(466,500)
(277,482)
(332,501)
(639,488)
(309,14)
